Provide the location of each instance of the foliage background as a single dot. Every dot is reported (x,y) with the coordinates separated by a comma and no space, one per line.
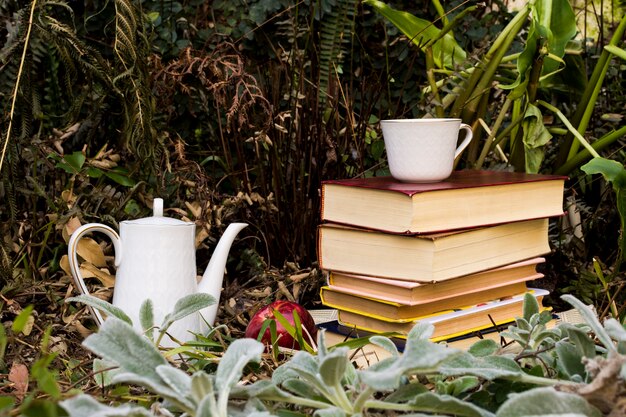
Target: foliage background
(235,111)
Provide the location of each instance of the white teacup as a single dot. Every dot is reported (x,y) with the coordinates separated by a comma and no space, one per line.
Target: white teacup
(423,150)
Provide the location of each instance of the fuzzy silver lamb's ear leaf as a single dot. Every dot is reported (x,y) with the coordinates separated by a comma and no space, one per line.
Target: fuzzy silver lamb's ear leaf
(102,305)
(177,380)
(488,367)
(329,412)
(592,320)
(146,318)
(385,343)
(534,402)
(445,405)
(530,306)
(333,366)
(156,387)
(485,347)
(202,387)
(187,305)
(237,356)
(104,371)
(118,342)
(86,406)
(615,330)
(420,356)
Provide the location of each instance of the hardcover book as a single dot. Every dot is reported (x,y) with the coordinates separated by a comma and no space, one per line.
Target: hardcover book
(466,199)
(450,324)
(410,292)
(432,257)
(390,310)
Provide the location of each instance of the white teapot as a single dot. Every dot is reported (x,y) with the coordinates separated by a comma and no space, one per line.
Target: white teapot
(155,259)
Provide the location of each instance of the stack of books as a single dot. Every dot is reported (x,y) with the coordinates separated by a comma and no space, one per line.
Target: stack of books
(456,253)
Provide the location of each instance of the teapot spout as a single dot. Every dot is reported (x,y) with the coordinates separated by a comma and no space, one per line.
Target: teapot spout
(211,282)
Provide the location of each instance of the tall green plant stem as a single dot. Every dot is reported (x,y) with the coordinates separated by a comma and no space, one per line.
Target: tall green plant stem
(584,155)
(430,65)
(17,82)
(489,142)
(590,95)
(570,127)
(482,76)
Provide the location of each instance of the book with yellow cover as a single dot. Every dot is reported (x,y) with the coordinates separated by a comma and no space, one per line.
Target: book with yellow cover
(344,300)
(467,198)
(411,292)
(447,324)
(432,257)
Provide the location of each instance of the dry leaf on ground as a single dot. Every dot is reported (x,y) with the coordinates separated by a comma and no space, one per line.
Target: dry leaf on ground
(18,375)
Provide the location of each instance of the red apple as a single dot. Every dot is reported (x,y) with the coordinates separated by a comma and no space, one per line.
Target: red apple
(286,309)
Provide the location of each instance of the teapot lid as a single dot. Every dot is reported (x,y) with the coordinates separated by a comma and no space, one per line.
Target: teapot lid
(157,218)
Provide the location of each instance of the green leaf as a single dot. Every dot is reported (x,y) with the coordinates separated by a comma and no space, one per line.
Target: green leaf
(546,401)
(202,386)
(406,392)
(420,356)
(461,385)
(85,406)
(524,63)
(616,51)
(570,360)
(558,20)
(102,305)
(385,343)
(146,318)
(584,344)
(187,305)
(489,367)
(333,366)
(103,373)
(266,390)
(610,170)
(591,319)
(615,330)
(6,403)
(446,52)
(177,380)
(76,161)
(615,173)
(330,412)
(45,377)
(536,136)
(237,356)
(119,343)
(484,347)
(120,179)
(530,307)
(93,172)
(446,404)
(20,321)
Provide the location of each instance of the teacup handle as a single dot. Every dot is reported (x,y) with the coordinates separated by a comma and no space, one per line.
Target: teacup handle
(72,250)
(468,138)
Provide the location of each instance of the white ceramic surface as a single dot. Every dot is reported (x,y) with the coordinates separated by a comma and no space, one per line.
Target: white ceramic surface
(423,150)
(156,260)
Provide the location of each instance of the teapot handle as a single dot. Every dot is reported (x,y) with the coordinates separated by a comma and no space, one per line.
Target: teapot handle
(72,248)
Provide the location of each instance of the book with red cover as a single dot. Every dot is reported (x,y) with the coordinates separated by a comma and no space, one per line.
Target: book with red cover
(466,199)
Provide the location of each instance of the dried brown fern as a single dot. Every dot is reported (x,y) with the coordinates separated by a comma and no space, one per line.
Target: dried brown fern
(220,72)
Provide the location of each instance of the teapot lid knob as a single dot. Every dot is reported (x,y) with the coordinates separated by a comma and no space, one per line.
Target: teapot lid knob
(157,207)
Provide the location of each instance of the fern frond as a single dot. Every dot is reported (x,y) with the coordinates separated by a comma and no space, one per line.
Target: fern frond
(132,50)
(335,31)
(6,267)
